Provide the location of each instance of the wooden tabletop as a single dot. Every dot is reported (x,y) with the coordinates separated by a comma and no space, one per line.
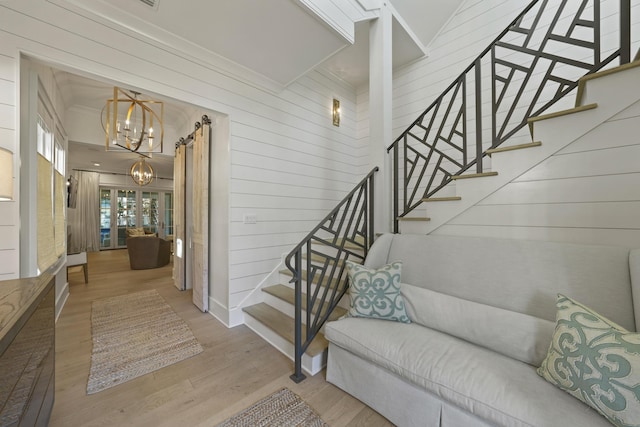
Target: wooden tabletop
(17,297)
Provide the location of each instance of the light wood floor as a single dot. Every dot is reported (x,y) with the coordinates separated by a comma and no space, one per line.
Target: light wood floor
(236,368)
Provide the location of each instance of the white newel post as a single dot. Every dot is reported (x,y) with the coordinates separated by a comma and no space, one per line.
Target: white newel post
(380,133)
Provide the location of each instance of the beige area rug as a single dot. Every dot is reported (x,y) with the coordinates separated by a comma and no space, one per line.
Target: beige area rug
(282,408)
(133,335)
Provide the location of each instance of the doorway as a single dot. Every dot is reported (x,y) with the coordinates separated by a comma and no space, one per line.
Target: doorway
(127,208)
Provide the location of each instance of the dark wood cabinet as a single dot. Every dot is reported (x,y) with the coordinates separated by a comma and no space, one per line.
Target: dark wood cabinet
(27,351)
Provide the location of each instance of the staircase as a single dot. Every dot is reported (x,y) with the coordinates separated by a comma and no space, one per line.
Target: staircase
(312,288)
(460,151)
(600,96)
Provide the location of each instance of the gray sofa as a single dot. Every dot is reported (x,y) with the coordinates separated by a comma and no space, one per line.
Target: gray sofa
(483,314)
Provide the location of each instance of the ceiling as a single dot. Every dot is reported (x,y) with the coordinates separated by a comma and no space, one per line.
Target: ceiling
(272,43)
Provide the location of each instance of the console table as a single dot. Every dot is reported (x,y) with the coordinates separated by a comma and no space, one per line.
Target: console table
(27,350)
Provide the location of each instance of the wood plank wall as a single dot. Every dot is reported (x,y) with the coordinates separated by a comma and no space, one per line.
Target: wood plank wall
(289,164)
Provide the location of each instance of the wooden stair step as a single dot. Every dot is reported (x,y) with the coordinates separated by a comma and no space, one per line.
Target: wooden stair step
(584,79)
(474,175)
(555,114)
(413,218)
(315,280)
(514,147)
(288,294)
(284,326)
(348,244)
(442,199)
(321,259)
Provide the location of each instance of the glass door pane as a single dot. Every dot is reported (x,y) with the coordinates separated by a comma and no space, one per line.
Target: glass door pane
(105,218)
(168,214)
(126,215)
(150,211)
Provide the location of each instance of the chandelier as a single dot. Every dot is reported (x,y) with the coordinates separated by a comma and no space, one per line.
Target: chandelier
(133,124)
(141,172)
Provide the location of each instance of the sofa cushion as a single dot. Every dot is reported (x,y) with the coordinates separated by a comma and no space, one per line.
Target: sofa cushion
(520,336)
(517,275)
(596,361)
(135,231)
(375,293)
(496,388)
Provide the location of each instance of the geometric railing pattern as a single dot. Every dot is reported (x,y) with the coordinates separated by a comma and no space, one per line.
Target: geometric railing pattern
(346,233)
(529,67)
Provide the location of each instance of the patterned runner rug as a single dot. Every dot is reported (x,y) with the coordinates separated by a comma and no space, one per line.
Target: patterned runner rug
(282,408)
(133,335)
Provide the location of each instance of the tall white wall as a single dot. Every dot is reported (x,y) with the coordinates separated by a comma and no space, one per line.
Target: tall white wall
(288,164)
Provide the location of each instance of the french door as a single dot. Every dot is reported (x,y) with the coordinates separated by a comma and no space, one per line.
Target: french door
(125,208)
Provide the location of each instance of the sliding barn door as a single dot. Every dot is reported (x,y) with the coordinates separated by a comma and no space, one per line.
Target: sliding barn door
(200,217)
(179,232)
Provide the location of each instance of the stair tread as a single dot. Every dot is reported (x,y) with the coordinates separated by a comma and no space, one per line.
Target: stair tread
(288,272)
(288,294)
(284,326)
(347,243)
(584,79)
(514,147)
(562,113)
(474,175)
(442,199)
(532,120)
(413,218)
(321,259)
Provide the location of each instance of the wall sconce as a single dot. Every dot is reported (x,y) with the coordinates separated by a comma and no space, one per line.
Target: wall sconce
(336,112)
(6,175)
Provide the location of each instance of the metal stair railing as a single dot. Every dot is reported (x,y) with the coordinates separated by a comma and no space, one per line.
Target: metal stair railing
(529,67)
(346,233)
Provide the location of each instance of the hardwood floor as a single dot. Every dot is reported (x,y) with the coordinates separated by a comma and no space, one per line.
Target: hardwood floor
(236,368)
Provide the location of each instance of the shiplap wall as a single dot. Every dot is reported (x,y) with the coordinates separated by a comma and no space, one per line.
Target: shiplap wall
(589,192)
(9,211)
(474,25)
(289,165)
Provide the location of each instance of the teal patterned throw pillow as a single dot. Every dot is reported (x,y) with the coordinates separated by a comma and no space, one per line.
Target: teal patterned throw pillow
(596,361)
(376,293)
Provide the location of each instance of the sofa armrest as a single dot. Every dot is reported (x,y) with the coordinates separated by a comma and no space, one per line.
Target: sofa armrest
(379,253)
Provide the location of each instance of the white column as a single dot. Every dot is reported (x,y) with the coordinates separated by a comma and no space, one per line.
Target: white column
(380,133)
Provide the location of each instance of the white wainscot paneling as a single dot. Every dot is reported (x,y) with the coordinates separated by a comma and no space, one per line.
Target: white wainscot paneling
(259,254)
(614,237)
(601,162)
(7,67)
(287,177)
(265,241)
(279,164)
(632,111)
(252,269)
(9,267)
(610,134)
(278,214)
(7,116)
(241,186)
(282,202)
(607,188)
(614,215)
(270,228)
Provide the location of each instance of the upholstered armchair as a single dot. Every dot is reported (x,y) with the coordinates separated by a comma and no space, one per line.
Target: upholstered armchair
(148,252)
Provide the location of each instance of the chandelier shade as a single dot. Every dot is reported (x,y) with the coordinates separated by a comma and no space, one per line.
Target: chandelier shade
(133,124)
(141,172)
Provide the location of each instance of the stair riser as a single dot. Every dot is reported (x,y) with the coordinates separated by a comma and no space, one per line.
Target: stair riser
(600,90)
(311,365)
(285,307)
(344,302)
